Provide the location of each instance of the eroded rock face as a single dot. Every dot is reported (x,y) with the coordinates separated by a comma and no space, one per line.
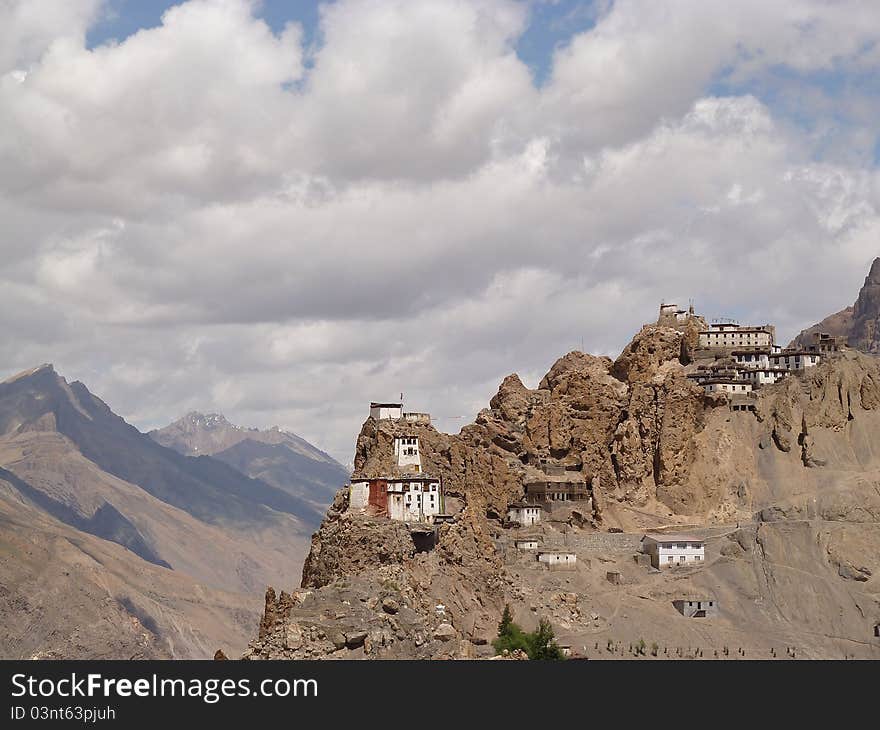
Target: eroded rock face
(346,545)
(650,349)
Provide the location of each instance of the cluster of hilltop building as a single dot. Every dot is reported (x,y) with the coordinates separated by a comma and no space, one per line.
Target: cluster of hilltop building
(406,493)
(727,358)
(737,359)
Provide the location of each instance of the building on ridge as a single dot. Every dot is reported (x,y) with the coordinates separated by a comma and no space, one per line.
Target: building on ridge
(382,411)
(667,551)
(524,514)
(412,498)
(730,335)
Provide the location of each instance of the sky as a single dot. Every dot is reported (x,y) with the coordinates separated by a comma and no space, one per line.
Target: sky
(284,210)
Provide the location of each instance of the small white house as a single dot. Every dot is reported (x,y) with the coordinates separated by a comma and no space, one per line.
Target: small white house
(380,411)
(530,543)
(406,451)
(696,607)
(667,551)
(558,560)
(525,514)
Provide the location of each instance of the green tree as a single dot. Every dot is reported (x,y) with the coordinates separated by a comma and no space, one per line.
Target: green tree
(510,635)
(542,643)
(506,622)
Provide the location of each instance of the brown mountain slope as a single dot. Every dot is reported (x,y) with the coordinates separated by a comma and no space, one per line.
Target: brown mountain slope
(185,541)
(787,497)
(860,323)
(68,594)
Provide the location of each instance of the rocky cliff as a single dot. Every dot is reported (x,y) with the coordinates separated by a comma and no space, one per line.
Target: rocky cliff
(656,451)
(859,323)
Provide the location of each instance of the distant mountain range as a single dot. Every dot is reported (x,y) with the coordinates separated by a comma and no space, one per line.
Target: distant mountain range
(275,456)
(113,545)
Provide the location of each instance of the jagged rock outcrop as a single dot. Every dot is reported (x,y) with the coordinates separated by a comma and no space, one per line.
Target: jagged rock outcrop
(859,323)
(347,545)
(650,349)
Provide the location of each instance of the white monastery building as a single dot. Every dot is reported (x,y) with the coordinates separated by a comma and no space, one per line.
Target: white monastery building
(757,359)
(412,500)
(407,498)
(395,412)
(667,551)
(380,411)
(526,514)
(406,451)
(730,335)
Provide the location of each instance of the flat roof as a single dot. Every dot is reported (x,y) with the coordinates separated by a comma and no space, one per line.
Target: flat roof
(411,478)
(556,479)
(386,405)
(672,538)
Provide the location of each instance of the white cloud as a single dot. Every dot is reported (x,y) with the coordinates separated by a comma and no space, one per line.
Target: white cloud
(193,218)
(29,28)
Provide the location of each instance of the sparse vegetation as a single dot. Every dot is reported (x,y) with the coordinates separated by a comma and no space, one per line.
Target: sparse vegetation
(539,644)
